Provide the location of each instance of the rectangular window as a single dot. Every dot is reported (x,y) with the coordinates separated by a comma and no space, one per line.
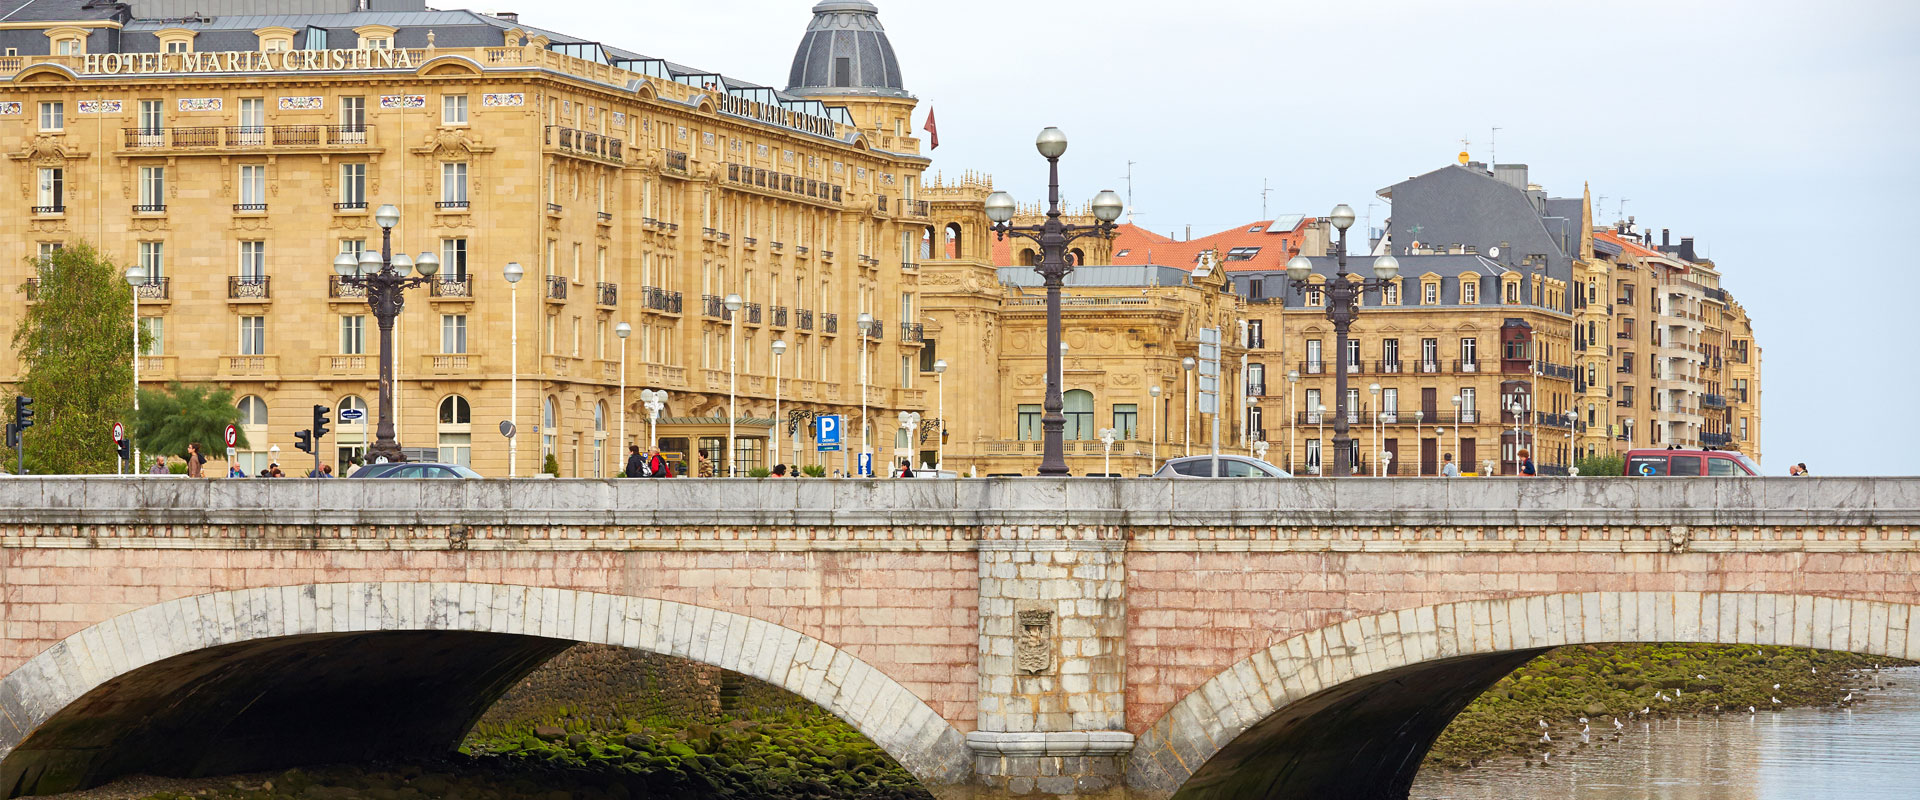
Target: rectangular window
(53,189)
(177,46)
(353,334)
(154,330)
(1743,429)
(453,333)
(1469,291)
(453,109)
(1028,423)
(353,114)
(1256,333)
(1313,356)
(1390,405)
(1353,355)
(1513,292)
(153,188)
(253,260)
(1390,352)
(1390,294)
(253,186)
(1126,421)
(253,120)
(1429,293)
(53,116)
(253,336)
(1313,407)
(1313,456)
(1469,354)
(1429,355)
(153,259)
(152,118)
(47,250)
(1467,413)
(453,259)
(353,185)
(453,182)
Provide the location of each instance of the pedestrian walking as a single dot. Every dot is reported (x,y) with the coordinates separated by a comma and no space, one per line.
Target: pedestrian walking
(326,471)
(1803,469)
(905,471)
(159,466)
(235,471)
(636,465)
(1448,469)
(657,465)
(705,466)
(1526,463)
(196,461)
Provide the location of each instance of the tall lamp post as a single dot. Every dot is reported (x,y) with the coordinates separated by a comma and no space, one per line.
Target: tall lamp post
(623,330)
(1420,439)
(1374,389)
(909,422)
(1320,417)
(865,323)
(1458,421)
(1293,383)
(773,450)
(940,384)
(513,272)
(655,401)
(1343,305)
(1154,392)
(136,277)
(1053,236)
(733,304)
(1186,417)
(384,276)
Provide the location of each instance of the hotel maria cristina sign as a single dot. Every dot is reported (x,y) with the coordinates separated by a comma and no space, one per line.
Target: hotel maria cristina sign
(246,61)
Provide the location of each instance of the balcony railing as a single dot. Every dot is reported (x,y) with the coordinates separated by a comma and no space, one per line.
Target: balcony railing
(916,208)
(154,289)
(604,216)
(877,330)
(586,143)
(53,209)
(1713,401)
(339,288)
(715,306)
(249,208)
(753,313)
(1427,366)
(554,208)
(913,332)
(658,299)
(1256,389)
(1313,367)
(675,163)
(1389,367)
(452,205)
(356,205)
(795,185)
(244,136)
(1464,367)
(803,319)
(607,294)
(830,324)
(556,287)
(150,208)
(247,287)
(450,286)
(780,316)
(1716,439)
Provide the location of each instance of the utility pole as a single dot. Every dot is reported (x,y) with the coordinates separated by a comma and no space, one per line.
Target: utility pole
(1493,148)
(1264,191)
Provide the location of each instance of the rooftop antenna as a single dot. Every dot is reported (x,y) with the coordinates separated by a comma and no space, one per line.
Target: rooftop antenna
(1601,207)
(1130,191)
(1264,191)
(1465,145)
(1493,148)
(1623,208)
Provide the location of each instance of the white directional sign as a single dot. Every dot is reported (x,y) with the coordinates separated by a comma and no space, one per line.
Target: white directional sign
(352,414)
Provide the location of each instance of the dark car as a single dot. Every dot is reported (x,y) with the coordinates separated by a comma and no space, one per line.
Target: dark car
(1689,464)
(414,470)
(1230,467)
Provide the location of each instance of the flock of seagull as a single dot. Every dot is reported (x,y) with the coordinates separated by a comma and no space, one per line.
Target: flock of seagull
(1546,730)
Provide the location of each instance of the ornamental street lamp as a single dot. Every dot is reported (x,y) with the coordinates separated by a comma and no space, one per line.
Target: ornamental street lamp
(1107,435)
(136,276)
(1293,382)
(1186,417)
(733,304)
(655,401)
(623,330)
(1154,392)
(940,383)
(773,451)
(384,276)
(1343,304)
(1053,236)
(513,272)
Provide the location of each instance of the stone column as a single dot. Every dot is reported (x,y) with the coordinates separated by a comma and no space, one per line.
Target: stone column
(1053,629)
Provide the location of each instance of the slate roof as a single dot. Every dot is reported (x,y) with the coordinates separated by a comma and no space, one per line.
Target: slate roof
(1100,276)
(1268,284)
(846,31)
(54,11)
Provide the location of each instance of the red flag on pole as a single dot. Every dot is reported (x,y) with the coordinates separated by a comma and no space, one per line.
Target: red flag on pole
(932,130)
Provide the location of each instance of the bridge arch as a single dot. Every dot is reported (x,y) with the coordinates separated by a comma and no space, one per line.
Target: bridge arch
(479,639)
(1350,710)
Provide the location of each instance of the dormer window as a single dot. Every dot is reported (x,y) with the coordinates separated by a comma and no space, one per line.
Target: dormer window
(1242,253)
(179,47)
(1390,294)
(1513,293)
(375,37)
(1430,293)
(1469,290)
(274,39)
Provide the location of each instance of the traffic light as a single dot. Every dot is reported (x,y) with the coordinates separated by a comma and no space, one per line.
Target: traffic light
(303,441)
(320,422)
(13,437)
(22,413)
(126,449)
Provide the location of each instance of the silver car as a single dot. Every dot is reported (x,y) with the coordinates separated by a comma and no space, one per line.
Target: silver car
(1230,466)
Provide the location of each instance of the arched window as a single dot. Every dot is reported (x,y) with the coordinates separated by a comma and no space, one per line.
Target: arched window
(456,431)
(549,424)
(926,243)
(253,422)
(953,240)
(1029,258)
(455,411)
(600,439)
(1079,411)
(350,437)
(253,410)
(1077,257)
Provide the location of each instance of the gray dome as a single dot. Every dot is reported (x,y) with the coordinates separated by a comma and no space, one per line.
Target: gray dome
(845,51)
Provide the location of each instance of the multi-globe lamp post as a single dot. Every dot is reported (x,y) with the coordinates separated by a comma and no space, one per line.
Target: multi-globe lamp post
(1343,305)
(1053,236)
(385,277)
(513,272)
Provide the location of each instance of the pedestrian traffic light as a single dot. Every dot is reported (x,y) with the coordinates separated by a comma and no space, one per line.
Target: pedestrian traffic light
(126,449)
(320,422)
(303,441)
(13,437)
(22,413)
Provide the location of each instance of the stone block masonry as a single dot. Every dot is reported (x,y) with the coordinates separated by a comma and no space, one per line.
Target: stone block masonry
(1026,637)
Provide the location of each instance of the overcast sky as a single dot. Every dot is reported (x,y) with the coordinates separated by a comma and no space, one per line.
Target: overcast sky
(1780,135)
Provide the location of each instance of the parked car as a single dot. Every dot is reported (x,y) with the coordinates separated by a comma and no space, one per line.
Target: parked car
(1230,467)
(1689,464)
(414,470)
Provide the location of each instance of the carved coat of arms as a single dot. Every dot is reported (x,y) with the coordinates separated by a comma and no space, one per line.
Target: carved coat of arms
(1033,647)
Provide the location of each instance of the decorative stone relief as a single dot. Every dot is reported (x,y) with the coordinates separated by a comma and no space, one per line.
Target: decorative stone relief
(99,106)
(1033,649)
(308,103)
(199,104)
(503,99)
(10,108)
(403,101)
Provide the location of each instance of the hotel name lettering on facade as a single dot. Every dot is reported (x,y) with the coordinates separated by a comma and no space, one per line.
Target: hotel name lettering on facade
(245,61)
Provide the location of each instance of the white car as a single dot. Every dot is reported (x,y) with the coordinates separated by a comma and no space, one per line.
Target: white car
(1230,467)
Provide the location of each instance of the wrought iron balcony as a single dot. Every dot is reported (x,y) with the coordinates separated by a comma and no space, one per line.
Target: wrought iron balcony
(1389,367)
(150,208)
(878,330)
(556,287)
(913,332)
(803,319)
(780,316)
(247,287)
(452,205)
(249,208)
(154,289)
(1713,401)
(1465,367)
(831,324)
(339,289)
(753,313)
(358,205)
(585,143)
(675,163)
(1256,389)
(53,209)
(451,287)
(607,294)
(248,136)
(1313,367)
(661,300)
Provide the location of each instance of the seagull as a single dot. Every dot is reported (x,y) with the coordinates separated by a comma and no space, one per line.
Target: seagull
(1583,720)
(1776,701)
(1700,677)
(1616,724)
(1816,670)
(1584,729)
(1776,687)
(1848,698)
(1546,739)
(1752,710)
(1543,724)
(1646,711)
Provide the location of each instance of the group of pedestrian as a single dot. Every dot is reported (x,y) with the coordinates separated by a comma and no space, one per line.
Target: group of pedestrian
(1798,470)
(651,465)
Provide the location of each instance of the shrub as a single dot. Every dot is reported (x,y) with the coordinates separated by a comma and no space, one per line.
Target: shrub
(552,467)
(814,471)
(759,472)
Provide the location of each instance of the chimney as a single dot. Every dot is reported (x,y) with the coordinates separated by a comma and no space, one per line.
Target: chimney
(1189,233)
(510,16)
(1686,248)
(1514,175)
(1665,242)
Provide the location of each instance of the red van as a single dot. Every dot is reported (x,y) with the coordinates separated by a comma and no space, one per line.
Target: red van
(1689,464)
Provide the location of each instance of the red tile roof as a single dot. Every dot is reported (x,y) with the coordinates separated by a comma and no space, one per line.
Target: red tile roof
(1134,245)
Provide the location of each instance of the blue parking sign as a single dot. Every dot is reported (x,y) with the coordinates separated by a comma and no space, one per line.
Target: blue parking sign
(827,429)
(866,465)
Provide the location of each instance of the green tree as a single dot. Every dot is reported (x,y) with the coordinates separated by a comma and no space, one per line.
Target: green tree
(552,466)
(75,345)
(1610,464)
(170,419)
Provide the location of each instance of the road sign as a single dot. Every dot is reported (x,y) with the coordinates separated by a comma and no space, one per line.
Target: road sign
(352,414)
(827,429)
(506,426)
(119,433)
(233,437)
(866,465)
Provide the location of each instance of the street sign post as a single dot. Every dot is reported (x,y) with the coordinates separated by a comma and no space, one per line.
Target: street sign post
(866,465)
(352,414)
(828,430)
(232,436)
(119,446)
(1210,389)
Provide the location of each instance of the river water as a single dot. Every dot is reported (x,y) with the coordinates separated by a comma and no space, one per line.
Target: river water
(1867,752)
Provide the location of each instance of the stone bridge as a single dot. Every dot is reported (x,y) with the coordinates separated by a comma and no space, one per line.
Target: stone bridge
(1001,638)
